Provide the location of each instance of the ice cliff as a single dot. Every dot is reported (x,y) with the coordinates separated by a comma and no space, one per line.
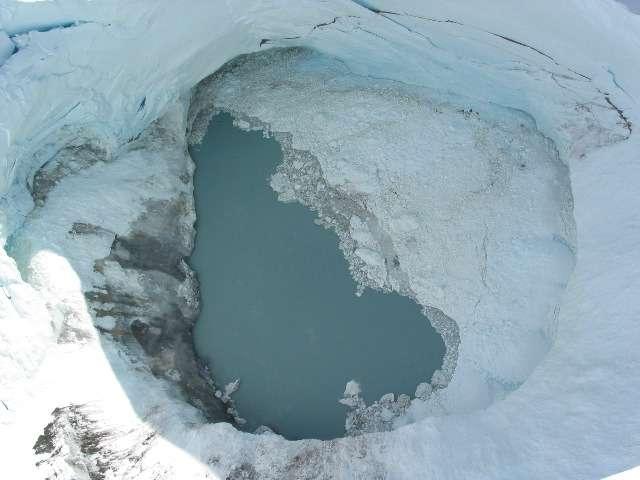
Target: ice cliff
(482,159)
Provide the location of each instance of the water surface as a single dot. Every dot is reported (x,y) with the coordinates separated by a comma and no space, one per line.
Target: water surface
(279,309)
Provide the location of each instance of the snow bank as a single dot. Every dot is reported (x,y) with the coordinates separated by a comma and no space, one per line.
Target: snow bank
(101,73)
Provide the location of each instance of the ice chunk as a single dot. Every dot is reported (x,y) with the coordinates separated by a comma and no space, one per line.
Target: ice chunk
(423,390)
(352,389)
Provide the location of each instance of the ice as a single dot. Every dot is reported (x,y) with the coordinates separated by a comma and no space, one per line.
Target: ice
(352,389)
(6,47)
(568,70)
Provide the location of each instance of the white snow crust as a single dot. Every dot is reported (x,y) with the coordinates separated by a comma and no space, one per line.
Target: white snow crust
(551,317)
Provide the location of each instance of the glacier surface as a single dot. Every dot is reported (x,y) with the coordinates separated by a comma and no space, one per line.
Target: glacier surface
(534,269)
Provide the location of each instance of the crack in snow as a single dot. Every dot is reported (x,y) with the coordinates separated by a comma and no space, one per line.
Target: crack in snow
(266,41)
(387,13)
(53,26)
(615,82)
(624,120)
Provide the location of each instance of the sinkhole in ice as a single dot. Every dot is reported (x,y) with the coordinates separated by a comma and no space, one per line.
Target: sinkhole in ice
(279,309)
(463,206)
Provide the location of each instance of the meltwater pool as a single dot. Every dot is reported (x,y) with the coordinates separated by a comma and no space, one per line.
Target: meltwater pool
(278,304)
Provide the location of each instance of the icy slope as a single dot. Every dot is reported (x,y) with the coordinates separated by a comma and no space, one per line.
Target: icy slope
(98,73)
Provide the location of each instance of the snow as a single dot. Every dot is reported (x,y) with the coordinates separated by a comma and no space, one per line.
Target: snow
(6,47)
(104,70)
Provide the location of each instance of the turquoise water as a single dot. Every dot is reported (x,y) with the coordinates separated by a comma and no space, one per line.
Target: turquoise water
(279,309)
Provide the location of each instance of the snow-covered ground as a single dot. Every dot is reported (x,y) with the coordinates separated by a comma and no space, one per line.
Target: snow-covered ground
(547,309)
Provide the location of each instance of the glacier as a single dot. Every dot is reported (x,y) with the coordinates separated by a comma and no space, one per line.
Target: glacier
(507,132)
